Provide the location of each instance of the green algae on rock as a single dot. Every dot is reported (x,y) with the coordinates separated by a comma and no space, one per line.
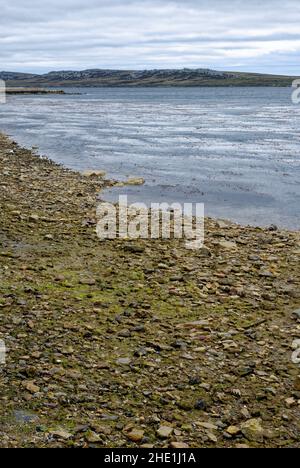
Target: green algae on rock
(108,342)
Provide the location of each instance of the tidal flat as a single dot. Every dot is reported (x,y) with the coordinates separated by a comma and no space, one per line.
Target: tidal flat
(139,343)
(237,150)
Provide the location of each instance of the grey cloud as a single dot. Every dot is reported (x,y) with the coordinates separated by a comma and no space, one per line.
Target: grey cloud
(256,36)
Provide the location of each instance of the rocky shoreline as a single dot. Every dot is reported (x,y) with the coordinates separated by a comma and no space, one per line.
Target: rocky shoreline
(35,91)
(142,343)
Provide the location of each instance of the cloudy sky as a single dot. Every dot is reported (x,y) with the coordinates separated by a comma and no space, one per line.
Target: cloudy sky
(262,36)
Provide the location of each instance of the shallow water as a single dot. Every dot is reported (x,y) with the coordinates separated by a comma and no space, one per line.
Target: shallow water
(235,149)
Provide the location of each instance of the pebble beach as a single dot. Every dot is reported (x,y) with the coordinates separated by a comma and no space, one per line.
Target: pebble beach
(139,343)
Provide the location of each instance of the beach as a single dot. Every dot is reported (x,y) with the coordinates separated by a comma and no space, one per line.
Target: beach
(139,343)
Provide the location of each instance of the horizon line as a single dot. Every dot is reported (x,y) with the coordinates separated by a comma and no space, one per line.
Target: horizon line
(144,70)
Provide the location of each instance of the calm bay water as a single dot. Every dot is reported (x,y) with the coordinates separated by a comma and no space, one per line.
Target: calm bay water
(235,149)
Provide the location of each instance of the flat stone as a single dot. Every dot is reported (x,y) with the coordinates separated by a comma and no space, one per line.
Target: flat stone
(179,445)
(124,361)
(223,224)
(133,248)
(228,245)
(164,432)
(93,438)
(266,274)
(253,430)
(212,437)
(61,434)
(207,425)
(87,281)
(136,435)
(31,387)
(233,430)
(68,351)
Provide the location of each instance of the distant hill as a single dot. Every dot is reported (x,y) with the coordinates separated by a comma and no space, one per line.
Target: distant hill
(183,77)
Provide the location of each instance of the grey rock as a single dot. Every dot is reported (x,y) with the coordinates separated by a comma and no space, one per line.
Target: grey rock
(25,417)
